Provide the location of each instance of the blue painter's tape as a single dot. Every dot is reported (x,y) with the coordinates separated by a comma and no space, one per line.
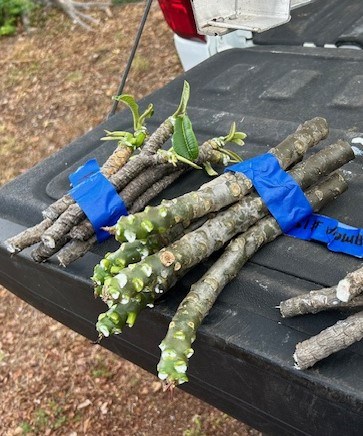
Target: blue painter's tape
(283,197)
(288,204)
(83,172)
(339,237)
(97,197)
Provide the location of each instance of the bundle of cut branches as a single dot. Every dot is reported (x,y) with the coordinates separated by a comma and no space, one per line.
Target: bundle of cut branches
(133,277)
(65,228)
(348,294)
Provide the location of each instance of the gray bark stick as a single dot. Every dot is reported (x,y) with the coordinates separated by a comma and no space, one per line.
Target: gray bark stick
(41,253)
(317,301)
(74,250)
(78,248)
(333,339)
(114,163)
(84,230)
(351,286)
(158,187)
(192,248)
(28,237)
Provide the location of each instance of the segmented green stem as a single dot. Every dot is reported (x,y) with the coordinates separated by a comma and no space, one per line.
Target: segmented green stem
(130,253)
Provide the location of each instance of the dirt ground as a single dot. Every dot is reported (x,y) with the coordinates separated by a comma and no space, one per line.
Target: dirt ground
(55,85)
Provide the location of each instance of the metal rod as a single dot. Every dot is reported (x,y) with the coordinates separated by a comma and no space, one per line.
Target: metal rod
(131,57)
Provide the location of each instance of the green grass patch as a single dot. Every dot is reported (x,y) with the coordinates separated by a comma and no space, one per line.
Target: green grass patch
(11,12)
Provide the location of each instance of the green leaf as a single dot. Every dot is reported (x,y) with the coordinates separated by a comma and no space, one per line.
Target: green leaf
(185,143)
(183,100)
(133,106)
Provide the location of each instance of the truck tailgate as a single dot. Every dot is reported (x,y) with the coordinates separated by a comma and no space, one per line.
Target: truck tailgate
(243,354)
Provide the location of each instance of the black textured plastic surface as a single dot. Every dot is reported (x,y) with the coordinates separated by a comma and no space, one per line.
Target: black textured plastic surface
(243,361)
(338,22)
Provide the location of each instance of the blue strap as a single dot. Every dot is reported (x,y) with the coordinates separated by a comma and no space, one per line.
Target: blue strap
(97,197)
(288,204)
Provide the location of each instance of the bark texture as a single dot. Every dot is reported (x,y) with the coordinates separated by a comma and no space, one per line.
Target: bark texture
(74,214)
(28,237)
(84,230)
(74,250)
(333,339)
(114,163)
(54,210)
(42,252)
(317,301)
(158,187)
(350,286)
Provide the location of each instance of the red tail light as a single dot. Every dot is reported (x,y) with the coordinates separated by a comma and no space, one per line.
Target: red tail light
(179,15)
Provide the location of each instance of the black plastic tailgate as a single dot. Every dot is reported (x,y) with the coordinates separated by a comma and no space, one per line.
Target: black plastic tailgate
(243,361)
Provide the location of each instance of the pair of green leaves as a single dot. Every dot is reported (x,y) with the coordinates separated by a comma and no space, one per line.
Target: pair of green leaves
(136,139)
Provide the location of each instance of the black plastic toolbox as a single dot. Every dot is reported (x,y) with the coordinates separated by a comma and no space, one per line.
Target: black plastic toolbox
(243,361)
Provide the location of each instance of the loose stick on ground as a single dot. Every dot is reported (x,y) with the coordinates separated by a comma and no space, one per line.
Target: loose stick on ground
(350,286)
(317,301)
(176,347)
(338,337)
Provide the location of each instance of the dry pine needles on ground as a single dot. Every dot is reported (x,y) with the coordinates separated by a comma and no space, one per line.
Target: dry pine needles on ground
(43,388)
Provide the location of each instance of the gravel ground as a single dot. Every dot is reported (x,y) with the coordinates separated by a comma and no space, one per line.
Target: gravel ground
(55,84)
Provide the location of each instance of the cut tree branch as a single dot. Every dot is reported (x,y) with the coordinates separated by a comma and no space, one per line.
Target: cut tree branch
(338,337)
(317,301)
(351,286)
